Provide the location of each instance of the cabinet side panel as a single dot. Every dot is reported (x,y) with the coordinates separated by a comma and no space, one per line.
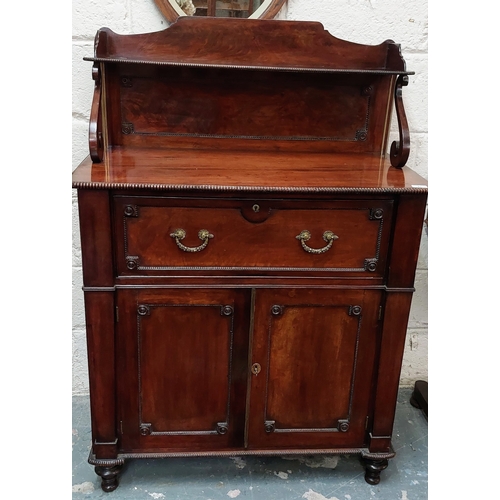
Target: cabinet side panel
(397,309)
(95,232)
(99,316)
(406,241)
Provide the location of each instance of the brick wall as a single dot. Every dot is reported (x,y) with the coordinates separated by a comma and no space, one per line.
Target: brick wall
(362,21)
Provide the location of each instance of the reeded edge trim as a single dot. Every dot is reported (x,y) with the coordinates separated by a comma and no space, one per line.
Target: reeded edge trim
(377,456)
(236,453)
(230,284)
(105,462)
(250,67)
(292,189)
(121,457)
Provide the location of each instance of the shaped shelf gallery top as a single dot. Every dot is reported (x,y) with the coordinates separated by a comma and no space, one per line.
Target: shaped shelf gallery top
(242,104)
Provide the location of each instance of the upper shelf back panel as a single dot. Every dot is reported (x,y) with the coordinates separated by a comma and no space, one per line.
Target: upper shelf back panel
(249,43)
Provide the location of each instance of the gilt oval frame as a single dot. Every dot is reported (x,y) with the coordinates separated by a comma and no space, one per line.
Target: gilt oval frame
(268,10)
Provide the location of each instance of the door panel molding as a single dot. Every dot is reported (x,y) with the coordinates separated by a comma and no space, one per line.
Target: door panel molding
(317,351)
(342,424)
(146,428)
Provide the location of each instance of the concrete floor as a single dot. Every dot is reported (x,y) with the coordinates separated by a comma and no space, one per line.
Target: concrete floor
(262,478)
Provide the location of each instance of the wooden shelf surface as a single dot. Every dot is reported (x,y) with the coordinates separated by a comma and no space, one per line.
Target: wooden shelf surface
(167,169)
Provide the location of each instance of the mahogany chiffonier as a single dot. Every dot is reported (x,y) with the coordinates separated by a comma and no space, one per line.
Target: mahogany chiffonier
(249,247)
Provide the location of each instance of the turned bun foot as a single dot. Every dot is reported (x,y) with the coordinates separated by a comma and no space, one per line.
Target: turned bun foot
(373,469)
(109,476)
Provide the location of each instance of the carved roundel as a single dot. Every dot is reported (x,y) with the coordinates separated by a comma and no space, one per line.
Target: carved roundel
(226,311)
(371,264)
(270,426)
(143,310)
(376,213)
(343,425)
(276,310)
(145,429)
(131,263)
(130,211)
(355,310)
(222,428)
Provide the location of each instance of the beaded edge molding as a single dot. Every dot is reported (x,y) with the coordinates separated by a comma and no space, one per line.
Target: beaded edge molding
(202,187)
(121,457)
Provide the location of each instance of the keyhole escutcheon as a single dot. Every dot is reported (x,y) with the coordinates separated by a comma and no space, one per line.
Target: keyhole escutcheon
(256,368)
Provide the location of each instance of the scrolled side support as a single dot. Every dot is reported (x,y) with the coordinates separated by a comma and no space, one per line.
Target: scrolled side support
(96,147)
(400,150)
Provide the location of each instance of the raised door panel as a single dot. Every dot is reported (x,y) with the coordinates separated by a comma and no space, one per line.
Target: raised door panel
(182,368)
(312,363)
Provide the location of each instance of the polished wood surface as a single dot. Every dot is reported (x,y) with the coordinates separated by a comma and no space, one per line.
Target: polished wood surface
(260,43)
(251,235)
(312,346)
(195,85)
(186,352)
(245,170)
(249,247)
(163,106)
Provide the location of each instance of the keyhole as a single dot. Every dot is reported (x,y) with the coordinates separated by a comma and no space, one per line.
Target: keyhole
(256,208)
(256,368)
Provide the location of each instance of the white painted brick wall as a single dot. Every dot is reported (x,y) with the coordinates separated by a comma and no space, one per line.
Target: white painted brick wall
(361,21)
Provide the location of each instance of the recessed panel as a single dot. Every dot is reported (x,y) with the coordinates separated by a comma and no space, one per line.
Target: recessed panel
(184,367)
(334,238)
(312,359)
(246,104)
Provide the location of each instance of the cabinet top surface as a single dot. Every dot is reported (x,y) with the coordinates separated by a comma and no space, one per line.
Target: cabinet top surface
(160,169)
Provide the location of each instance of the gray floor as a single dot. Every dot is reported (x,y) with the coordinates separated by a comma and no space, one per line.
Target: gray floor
(266,478)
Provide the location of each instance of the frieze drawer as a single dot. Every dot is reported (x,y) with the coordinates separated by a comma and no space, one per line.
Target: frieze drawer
(158,236)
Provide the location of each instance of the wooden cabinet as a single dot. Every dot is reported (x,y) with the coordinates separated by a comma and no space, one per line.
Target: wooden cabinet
(311,358)
(248,249)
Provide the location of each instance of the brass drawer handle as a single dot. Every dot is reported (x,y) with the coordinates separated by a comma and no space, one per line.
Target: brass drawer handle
(328,236)
(180,234)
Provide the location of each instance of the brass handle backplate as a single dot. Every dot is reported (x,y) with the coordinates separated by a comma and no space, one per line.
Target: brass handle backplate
(328,236)
(180,234)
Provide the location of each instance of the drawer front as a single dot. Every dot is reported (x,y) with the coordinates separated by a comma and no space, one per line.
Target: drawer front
(160,236)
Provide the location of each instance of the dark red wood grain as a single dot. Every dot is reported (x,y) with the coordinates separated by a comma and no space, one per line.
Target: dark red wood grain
(247,341)
(261,43)
(242,171)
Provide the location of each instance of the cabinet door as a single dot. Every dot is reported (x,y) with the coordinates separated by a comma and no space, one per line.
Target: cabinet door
(312,368)
(182,369)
